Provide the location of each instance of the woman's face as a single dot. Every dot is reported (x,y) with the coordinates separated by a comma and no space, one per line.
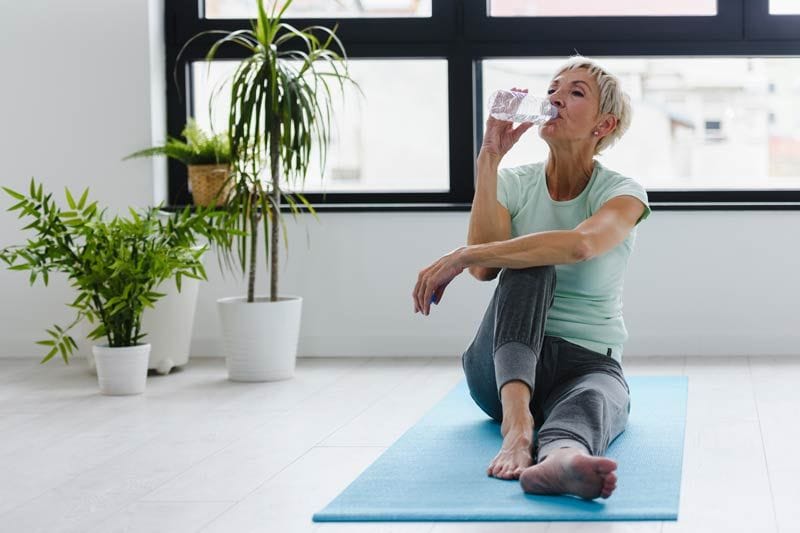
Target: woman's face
(576,96)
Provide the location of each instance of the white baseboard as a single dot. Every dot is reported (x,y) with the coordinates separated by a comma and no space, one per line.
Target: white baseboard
(453,346)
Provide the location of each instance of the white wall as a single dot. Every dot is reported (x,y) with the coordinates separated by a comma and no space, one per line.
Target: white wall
(76,98)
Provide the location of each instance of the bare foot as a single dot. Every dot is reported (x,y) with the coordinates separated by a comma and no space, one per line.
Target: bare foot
(515,454)
(571,471)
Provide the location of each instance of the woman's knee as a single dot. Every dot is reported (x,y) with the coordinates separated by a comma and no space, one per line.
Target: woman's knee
(539,275)
(537,271)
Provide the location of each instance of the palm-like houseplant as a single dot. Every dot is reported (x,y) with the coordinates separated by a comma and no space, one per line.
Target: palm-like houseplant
(276,112)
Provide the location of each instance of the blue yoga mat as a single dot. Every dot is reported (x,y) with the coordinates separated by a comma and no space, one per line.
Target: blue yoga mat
(436,471)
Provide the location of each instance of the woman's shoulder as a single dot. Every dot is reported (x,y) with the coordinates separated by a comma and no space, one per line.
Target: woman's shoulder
(609,179)
(526,173)
(610,183)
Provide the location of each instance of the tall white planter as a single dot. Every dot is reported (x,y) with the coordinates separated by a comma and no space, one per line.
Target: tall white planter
(169,325)
(260,338)
(121,371)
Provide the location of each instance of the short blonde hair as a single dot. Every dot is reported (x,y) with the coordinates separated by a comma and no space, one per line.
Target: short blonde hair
(613,100)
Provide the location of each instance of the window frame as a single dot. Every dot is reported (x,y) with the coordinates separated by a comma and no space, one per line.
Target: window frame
(759,24)
(461,32)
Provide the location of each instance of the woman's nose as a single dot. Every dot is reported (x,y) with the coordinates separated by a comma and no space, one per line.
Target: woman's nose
(556,100)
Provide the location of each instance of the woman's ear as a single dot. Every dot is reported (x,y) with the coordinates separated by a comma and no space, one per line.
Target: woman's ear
(607,126)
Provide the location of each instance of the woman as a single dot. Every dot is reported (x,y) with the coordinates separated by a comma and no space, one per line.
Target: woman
(547,355)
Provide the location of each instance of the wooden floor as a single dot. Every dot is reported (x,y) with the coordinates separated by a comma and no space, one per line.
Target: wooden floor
(199,453)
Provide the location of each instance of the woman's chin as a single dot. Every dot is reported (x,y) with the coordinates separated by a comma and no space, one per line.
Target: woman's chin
(547,132)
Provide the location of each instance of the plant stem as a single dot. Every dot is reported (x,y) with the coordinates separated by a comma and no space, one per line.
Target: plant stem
(276,193)
(254,221)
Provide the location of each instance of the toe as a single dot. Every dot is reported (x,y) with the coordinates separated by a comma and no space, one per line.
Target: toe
(605,466)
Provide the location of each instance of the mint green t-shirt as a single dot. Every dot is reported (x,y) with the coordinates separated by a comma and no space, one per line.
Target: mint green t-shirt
(587,307)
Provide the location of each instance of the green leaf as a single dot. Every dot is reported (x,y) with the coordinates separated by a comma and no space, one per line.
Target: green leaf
(145,302)
(14,194)
(49,355)
(70,200)
(82,201)
(81,297)
(97,332)
(46,343)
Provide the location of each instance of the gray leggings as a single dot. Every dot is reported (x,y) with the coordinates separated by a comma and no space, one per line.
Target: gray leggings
(580,397)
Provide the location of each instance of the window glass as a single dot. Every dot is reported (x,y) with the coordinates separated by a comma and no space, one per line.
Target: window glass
(593,8)
(321,8)
(394,138)
(711,123)
(784,7)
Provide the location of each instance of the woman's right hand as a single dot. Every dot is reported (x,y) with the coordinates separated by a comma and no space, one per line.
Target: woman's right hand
(500,135)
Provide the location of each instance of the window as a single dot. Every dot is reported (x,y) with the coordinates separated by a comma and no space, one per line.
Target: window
(714,124)
(238,9)
(593,8)
(713,131)
(771,19)
(392,140)
(698,123)
(784,7)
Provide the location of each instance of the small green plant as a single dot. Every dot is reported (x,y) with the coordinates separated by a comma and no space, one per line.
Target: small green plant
(199,148)
(115,265)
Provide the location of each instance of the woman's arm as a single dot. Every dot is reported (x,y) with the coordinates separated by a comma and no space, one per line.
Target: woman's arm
(544,248)
(593,237)
(536,249)
(489,221)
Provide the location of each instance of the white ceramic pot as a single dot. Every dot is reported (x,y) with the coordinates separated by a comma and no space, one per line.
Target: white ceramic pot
(260,338)
(168,326)
(123,370)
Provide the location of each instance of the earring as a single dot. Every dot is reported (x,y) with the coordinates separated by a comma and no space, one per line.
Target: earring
(595,133)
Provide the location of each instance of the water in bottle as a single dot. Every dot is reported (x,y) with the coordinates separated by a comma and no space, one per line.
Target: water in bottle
(520,107)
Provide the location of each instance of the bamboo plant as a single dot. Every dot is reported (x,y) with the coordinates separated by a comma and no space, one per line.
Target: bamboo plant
(276,112)
(114,265)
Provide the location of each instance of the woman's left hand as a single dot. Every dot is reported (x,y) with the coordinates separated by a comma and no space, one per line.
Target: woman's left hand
(433,280)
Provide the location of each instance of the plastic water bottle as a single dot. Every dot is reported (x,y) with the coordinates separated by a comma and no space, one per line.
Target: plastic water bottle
(520,107)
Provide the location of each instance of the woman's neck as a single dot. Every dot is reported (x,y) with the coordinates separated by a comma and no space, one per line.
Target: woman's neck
(567,175)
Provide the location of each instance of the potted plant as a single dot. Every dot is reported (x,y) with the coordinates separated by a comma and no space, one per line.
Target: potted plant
(207,157)
(115,266)
(276,109)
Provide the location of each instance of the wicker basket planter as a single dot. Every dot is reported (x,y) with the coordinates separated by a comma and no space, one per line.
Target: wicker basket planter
(205,181)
